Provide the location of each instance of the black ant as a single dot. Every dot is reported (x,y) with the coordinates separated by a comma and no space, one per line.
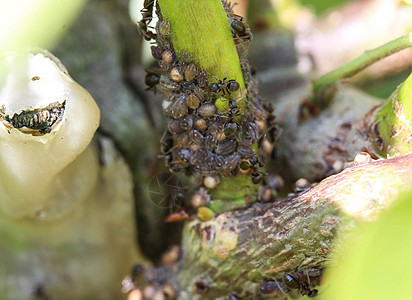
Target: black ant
(151,79)
(227,87)
(147,16)
(297,282)
(304,288)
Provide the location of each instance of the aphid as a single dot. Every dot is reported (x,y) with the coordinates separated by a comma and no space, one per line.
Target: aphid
(230,163)
(163,29)
(213,161)
(184,156)
(157,52)
(245,152)
(174,127)
(176,75)
(198,157)
(210,142)
(250,131)
(136,272)
(186,123)
(190,72)
(168,84)
(200,124)
(193,101)
(200,198)
(207,110)
(226,147)
(199,93)
(240,28)
(202,79)
(39,120)
(195,136)
(179,107)
(168,58)
(227,87)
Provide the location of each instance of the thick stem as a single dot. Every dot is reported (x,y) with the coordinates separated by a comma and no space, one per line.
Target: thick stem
(245,253)
(391,130)
(323,88)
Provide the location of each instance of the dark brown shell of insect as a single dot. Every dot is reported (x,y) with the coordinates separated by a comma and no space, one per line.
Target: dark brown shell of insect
(157,52)
(211,142)
(213,161)
(174,127)
(230,163)
(184,155)
(245,152)
(186,123)
(198,157)
(179,108)
(195,136)
(226,147)
(169,84)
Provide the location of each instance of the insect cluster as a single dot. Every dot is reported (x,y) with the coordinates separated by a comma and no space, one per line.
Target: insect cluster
(200,139)
(36,121)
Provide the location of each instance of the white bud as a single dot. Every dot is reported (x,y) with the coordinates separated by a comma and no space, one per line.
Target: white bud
(47,121)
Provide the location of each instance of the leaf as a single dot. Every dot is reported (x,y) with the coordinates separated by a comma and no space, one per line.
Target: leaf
(377,264)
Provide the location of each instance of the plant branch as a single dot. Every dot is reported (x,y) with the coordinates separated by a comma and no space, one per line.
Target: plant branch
(323,87)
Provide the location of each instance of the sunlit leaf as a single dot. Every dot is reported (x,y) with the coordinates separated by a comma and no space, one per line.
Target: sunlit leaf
(377,264)
(35,23)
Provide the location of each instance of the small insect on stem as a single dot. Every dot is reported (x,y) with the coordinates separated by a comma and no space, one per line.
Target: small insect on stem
(147,16)
(227,87)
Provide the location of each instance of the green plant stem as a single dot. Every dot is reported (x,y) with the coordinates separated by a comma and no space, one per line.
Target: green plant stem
(391,129)
(323,87)
(201,33)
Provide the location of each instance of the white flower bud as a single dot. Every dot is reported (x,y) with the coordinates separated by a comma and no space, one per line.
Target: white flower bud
(47,121)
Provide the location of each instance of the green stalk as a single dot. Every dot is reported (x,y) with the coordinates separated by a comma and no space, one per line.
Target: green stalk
(392,127)
(323,88)
(201,33)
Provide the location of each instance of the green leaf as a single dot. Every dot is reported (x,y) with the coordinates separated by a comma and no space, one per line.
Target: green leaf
(378,264)
(408,2)
(35,23)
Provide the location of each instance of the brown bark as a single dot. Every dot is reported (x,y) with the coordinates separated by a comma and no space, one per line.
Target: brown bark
(246,253)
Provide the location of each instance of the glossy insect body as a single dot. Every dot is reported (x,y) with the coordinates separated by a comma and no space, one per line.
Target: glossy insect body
(294,283)
(151,80)
(41,120)
(147,15)
(227,87)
